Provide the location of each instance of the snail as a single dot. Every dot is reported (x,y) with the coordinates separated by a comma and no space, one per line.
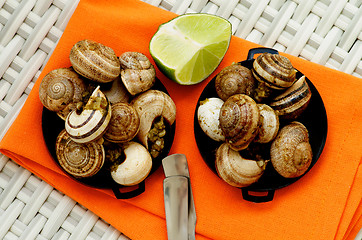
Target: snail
(239,120)
(92,121)
(150,105)
(79,160)
(269,124)
(60,91)
(116,92)
(136,166)
(95,61)
(291,153)
(234,79)
(273,71)
(292,102)
(137,74)
(236,170)
(124,123)
(208,118)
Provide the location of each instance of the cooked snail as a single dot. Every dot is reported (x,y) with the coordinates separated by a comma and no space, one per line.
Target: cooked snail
(208,118)
(92,121)
(239,120)
(291,103)
(136,166)
(150,105)
(116,92)
(60,91)
(291,153)
(234,79)
(275,70)
(236,170)
(124,123)
(137,74)
(79,160)
(269,124)
(95,61)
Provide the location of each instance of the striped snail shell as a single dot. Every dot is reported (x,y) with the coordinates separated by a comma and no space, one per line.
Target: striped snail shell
(124,123)
(150,105)
(60,90)
(275,70)
(292,102)
(92,121)
(239,120)
(137,74)
(291,153)
(95,61)
(269,124)
(79,160)
(234,79)
(136,166)
(236,170)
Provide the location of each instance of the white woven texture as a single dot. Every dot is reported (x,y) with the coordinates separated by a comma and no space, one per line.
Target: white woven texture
(328,32)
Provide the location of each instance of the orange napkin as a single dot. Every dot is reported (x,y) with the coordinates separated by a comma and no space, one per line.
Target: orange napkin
(325,204)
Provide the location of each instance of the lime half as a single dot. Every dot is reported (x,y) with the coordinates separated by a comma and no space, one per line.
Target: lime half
(188,48)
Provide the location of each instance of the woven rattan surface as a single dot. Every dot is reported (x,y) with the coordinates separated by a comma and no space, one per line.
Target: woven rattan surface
(327,32)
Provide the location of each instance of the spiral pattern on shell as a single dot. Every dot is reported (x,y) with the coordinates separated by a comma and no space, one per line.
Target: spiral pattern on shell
(79,160)
(92,122)
(275,70)
(124,123)
(291,153)
(61,89)
(95,61)
(292,102)
(137,74)
(239,120)
(234,79)
(236,170)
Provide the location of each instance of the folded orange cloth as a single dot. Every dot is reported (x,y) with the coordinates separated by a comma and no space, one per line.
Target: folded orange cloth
(324,204)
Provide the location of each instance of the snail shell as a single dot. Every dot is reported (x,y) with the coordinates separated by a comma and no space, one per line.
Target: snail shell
(135,168)
(95,61)
(236,170)
(292,102)
(150,105)
(239,120)
(116,92)
(79,160)
(137,74)
(234,79)
(208,118)
(275,70)
(60,90)
(291,153)
(269,124)
(92,122)
(124,123)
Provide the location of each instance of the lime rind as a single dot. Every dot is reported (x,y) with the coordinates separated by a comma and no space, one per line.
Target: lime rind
(187,51)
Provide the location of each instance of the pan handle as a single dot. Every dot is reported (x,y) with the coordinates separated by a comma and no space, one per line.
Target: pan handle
(257,199)
(254,51)
(131,191)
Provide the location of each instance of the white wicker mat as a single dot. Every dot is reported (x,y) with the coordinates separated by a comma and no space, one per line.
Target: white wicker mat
(328,32)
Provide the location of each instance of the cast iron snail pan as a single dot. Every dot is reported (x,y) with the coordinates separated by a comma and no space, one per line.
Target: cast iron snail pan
(314,118)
